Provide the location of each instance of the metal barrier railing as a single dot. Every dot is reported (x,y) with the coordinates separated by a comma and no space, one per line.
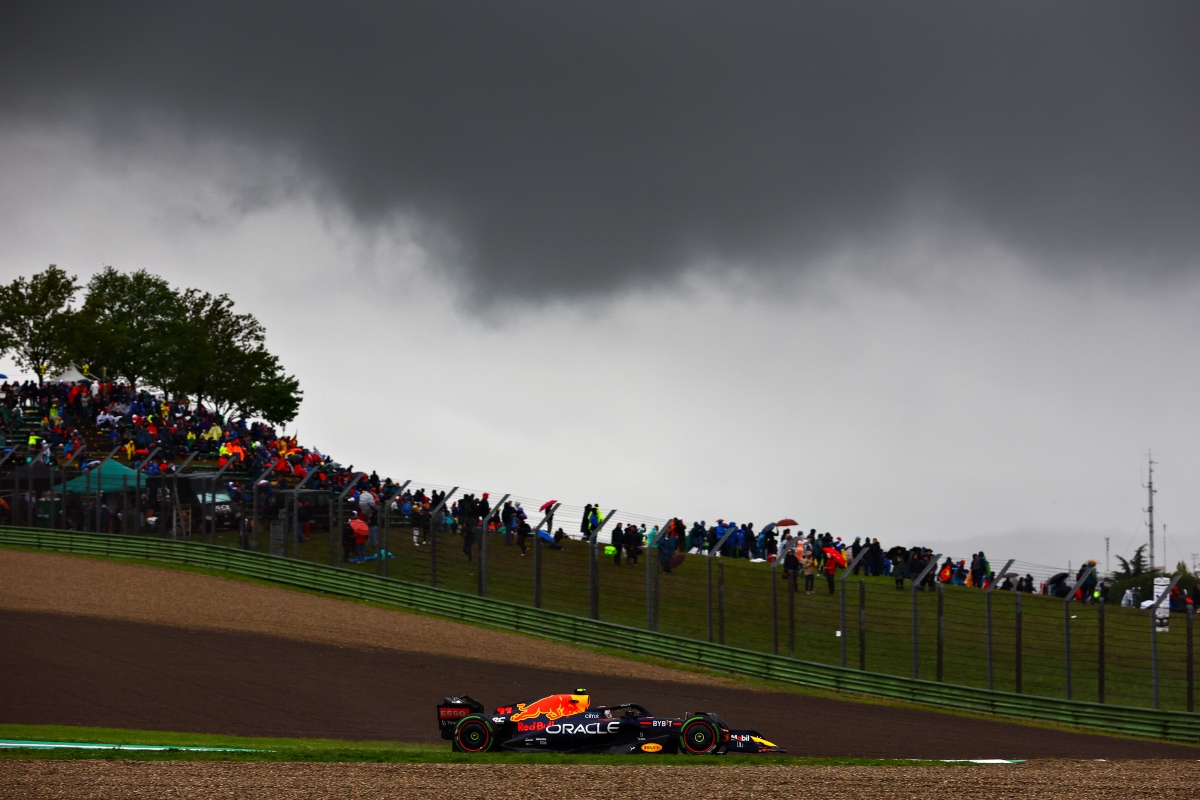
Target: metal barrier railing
(579,629)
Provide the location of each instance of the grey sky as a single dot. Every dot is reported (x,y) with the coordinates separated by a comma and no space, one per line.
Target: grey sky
(927,272)
(555,149)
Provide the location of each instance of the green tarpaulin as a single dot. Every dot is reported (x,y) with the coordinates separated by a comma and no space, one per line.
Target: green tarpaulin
(113,477)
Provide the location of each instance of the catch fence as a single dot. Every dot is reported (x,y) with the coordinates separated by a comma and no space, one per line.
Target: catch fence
(353,582)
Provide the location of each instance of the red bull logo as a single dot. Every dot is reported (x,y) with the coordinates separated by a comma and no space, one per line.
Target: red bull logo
(525,727)
(553,707)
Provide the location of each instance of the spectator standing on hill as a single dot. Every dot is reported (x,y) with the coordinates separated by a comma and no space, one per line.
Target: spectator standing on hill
(360,540)
(617,542)
(523,531)
(1089,586)
(830,570)
(482,509)
(976,570)
(633,544)
(507,514)
(466,522)
(585,523)
(666,548)
(877,565)
(808,564)
(791,566)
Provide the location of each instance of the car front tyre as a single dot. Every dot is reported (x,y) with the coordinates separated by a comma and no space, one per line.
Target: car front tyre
(699,737)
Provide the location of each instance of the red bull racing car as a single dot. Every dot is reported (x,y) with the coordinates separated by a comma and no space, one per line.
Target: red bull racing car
(568,723)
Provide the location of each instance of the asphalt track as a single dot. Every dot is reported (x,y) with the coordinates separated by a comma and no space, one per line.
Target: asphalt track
(75,670)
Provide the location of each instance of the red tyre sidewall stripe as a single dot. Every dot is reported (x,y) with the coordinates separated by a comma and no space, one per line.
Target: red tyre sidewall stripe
(683,737)
(486,741)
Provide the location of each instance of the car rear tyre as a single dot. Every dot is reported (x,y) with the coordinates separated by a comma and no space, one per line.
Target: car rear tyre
(473,735)
(699,737)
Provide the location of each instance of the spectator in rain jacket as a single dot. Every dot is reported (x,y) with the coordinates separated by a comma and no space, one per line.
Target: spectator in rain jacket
(666,548)
(830,570)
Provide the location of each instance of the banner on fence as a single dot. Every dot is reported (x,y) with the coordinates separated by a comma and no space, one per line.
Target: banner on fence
(1162,613)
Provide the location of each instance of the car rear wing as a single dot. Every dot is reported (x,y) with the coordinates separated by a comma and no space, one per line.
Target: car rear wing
(452,709)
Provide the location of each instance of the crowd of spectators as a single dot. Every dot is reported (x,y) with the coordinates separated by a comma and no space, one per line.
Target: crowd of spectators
(52,421)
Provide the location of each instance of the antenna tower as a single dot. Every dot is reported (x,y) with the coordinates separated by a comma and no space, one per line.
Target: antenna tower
(1150,491)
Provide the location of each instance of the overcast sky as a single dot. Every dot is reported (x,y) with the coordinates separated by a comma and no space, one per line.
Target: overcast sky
(928,272)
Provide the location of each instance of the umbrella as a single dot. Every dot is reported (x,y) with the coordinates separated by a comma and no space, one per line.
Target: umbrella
(547,504)
(545,535)
(359,527)
(3,377)
(787,522)
(836,555)
(675,561)
(770,526)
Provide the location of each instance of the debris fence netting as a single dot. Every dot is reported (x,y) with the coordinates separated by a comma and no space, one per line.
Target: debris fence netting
(1034,644)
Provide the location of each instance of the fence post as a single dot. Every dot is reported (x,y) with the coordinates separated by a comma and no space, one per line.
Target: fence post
(594,566)
(842,598)
(483,541)
(548,521)
(792,615)
(710,598)
(335,531)
(987,605)
(212,496)
(384,527)
(652,582)
(862,624)
(941,627)
(774,609)
(721,601)
(1020,597)
(1166,593)
(916,664)
(433,536)
(1100,654)
(62,493)
(1191,612)
(712,553)
(1067,623)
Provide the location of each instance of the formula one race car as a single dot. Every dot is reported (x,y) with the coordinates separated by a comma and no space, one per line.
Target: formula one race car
(567,723)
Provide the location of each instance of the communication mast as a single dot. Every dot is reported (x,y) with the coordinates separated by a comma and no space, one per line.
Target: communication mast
(1150,491)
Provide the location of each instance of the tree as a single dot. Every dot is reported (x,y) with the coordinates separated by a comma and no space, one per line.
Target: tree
(124,323)
(219,356)
(252,383)
(36,319)
(1133,567)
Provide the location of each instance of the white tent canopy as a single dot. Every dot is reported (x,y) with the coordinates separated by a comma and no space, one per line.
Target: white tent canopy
(68,375)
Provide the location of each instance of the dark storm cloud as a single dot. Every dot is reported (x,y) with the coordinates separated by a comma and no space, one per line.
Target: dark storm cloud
(578,146)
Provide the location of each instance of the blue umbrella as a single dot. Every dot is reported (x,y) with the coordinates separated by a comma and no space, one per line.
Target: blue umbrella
(770,526)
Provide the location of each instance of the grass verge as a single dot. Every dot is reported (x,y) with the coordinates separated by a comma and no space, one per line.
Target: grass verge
(334,750)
